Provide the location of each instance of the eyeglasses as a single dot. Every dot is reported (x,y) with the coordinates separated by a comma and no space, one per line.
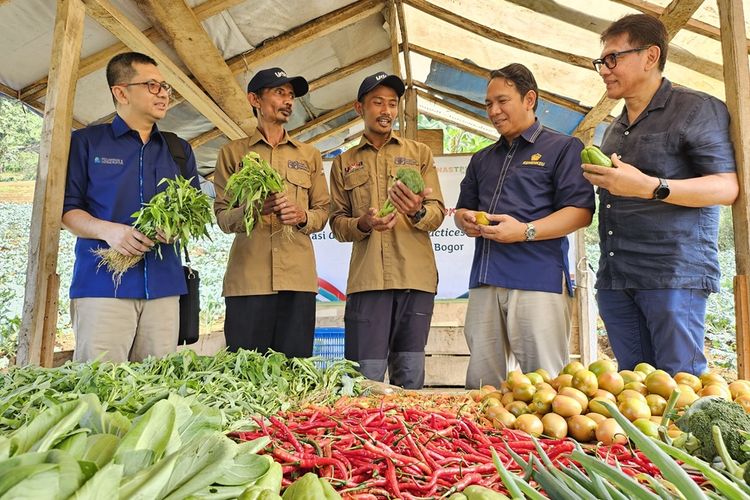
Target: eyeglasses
(610,60)
(154,87)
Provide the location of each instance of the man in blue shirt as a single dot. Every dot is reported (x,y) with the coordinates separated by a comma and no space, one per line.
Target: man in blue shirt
(658,213)
(532,190)
(112,170)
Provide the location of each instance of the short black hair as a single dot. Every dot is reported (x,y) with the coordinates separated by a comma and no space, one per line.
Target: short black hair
(643,31)
(521,77)
(120,68)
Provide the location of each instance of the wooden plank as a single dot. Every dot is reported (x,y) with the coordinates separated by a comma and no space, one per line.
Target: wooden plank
(349,69)
(9,91)
(205,137)
(497,35)
(99,59)
(46,357)
(411,113)
(335,130)
(324,118)
(104,12)
(445,371)
(693,25)
(40,107)
(44,238)
(674,17)
(395,53)
(737,82)
(569,15)
(459,111)
(485,73)
(180,27)
(306,33)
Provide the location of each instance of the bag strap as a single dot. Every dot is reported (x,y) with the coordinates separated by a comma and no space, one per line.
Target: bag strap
(176,149)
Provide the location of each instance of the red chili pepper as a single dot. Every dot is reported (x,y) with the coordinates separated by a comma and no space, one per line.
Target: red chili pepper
(564,447)
(390,475)
(289,435)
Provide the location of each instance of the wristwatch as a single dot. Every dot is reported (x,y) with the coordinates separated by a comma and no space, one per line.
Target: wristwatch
(662,190)
(419,215)
(530,232)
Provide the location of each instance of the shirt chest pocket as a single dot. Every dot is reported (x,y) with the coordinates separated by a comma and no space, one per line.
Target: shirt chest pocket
(355,185)
(298,187)
(657,154)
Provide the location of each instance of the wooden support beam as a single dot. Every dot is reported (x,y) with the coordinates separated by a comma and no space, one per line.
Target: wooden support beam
(118,24)
(411,113)
(306,33)
(569,15)
(456,109)
(485,73)
(179,26)
(322,119)
(444,94)
(674,16)
(44,238)
(40,107)
(693,25)
(15,94)
(737,82)
(99,59)
(350,69)
(395,53)
(333,131)
(498,36)
(205,137)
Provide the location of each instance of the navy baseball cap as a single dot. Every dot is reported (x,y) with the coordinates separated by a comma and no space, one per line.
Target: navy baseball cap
(276,77)
(381,78)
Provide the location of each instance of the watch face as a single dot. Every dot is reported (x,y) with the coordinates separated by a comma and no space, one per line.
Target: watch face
(662,191)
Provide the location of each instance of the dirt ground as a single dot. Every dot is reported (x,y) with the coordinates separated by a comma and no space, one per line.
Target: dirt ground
(17,192)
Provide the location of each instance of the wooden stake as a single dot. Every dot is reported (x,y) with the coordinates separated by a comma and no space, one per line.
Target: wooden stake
(737,82)
(44,238)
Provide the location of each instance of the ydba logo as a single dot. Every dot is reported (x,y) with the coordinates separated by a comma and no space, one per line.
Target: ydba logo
(101,160)
(353,167)
(534,161)
(298,165)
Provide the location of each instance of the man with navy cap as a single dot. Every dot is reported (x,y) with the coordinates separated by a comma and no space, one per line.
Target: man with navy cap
(271,282)
(392,274)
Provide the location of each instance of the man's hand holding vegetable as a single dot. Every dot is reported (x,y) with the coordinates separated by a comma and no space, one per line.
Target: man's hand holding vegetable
(288,212)
(622,179)
(371,222)
(406,201)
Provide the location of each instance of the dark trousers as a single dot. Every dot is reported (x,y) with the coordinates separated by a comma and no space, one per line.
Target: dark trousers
(389,329)
(664,328)
(284,322)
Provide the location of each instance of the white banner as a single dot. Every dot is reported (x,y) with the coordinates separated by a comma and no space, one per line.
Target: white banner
(453,250)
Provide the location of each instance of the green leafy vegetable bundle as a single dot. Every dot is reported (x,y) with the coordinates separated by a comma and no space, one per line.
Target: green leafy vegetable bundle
(181,212)
(241,384)
(251,185)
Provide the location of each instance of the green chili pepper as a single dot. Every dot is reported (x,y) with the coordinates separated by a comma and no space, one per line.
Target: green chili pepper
(594,156)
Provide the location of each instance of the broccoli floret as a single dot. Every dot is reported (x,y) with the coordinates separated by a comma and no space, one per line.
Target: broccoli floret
(729,416)
(411,179)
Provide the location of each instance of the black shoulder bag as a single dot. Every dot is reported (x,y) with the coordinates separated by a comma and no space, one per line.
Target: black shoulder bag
(190,305)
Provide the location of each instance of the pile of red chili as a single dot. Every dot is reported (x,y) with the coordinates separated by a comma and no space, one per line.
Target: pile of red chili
(406,453)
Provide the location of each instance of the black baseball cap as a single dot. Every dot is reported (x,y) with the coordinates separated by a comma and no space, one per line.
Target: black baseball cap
(276,77)
(381,78)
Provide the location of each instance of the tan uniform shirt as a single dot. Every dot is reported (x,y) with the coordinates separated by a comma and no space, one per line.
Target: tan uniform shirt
(401,258)
(269,262)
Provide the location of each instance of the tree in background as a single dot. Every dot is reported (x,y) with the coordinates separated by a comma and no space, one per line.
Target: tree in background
(20,132)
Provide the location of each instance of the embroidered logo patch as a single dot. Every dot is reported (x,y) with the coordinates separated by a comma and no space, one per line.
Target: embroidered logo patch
(353,166)
(401,160)
(298,165)
(534,161)
(101,160)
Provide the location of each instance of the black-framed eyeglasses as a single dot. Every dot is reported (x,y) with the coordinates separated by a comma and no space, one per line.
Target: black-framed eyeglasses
(610,60)
(154,87)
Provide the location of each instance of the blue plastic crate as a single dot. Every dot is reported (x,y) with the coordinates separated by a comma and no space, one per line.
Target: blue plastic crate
(328,344)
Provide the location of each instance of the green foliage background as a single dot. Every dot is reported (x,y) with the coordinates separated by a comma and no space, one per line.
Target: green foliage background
(20,130)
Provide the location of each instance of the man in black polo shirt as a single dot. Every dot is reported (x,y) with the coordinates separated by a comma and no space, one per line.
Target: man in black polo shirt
(530,185)
(658,210)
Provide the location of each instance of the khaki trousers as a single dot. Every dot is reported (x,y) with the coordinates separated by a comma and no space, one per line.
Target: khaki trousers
(124,329)
(511,329)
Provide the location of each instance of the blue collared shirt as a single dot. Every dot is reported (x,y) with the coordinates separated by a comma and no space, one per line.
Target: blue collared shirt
(650,244)
(536,175)
(110,174)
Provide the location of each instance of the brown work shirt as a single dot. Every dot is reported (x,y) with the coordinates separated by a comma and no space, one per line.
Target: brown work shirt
(398,259)
(268,261)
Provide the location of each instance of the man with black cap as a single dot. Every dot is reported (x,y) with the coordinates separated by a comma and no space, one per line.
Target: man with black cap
(270,283)
(392,274)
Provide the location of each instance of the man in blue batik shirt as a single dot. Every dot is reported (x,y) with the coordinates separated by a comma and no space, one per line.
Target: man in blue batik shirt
(112,170)
(658,209)
(530,185)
